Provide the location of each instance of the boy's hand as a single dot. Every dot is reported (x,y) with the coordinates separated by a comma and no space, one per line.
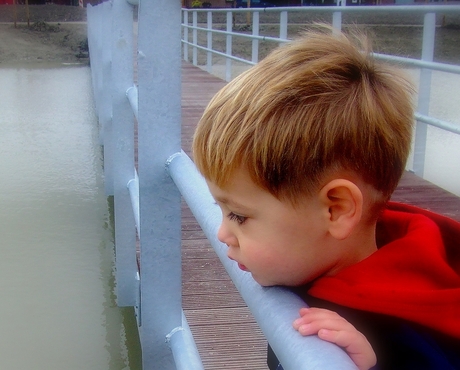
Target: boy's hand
(333,328)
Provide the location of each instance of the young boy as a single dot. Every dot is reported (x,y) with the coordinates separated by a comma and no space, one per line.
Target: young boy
(302,153)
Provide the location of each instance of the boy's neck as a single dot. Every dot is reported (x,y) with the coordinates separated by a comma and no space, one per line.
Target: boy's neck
(356,248)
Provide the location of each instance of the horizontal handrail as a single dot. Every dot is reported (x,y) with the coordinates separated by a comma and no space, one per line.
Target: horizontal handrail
(273,308)
(345,9)
(243,35)
(435,66)
(448,126)
(410,62)
(183,347)
(232,57)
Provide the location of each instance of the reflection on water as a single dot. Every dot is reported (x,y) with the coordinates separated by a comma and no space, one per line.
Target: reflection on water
(57,307)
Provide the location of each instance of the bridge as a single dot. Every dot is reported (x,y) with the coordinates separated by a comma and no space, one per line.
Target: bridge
(194,309)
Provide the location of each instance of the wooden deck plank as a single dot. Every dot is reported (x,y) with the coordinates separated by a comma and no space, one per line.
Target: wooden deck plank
(418,192)
(224,329)
(225,332)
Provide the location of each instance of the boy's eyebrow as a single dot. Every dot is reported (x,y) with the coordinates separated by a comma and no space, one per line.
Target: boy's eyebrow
(229,202)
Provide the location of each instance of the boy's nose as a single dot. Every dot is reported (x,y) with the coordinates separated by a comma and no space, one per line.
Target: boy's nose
(225,235)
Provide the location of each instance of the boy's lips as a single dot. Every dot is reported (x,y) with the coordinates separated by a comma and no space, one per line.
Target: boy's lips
(240,265)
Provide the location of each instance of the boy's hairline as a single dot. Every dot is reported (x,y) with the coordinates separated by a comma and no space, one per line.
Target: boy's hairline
(374,202)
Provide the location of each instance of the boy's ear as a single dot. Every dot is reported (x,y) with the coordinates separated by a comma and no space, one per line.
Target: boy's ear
(344,202)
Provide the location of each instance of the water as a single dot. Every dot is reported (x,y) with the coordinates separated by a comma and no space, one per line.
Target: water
(57,306)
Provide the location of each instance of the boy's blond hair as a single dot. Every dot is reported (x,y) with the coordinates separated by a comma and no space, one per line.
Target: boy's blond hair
(313,106)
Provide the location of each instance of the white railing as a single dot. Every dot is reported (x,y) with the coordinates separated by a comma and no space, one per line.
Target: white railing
(148,202)
(192,25)
(151,200)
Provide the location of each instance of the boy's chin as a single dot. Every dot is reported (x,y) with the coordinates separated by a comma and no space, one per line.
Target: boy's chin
(264,282)
(271,282)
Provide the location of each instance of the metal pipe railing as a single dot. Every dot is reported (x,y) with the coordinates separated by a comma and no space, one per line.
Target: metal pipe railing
(182,344)
(444,125)
(159,136)
(122,147)
(414,9)
(133,95)
(274,308)
(150,202)
(133,188)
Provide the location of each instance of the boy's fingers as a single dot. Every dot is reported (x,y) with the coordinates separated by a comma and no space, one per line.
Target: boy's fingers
(331,327)
(340,337)
(304,310)
(316,319)
(317,313)
(356,345)
(312,327)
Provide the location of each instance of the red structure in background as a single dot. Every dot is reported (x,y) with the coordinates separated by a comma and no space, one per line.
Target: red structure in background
(40,2)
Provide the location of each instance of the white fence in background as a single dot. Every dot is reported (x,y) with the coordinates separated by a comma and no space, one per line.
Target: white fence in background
(190,25)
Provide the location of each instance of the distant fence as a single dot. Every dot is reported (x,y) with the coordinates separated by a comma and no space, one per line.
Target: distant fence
(147,201)
(208,27)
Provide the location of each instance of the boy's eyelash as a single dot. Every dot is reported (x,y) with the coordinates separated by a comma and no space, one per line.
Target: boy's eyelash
(237,218)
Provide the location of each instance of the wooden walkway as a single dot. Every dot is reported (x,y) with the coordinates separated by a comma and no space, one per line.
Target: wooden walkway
(224,329)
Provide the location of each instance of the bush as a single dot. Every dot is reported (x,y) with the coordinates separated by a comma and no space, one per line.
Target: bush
(206,4)
(197,4)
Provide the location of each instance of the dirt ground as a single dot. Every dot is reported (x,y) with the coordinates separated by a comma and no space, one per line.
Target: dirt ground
(57,33)
(396,34)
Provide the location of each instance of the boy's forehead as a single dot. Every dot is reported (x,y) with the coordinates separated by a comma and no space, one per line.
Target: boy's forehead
(223,197)
(239,187)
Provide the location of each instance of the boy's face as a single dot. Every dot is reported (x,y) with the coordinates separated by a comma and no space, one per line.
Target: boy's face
(277,243)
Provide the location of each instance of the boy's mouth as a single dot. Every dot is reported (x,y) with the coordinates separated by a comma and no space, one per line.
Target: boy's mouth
(243,267)
(240,265)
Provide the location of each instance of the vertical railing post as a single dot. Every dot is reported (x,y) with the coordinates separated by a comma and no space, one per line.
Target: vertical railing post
(337,21)
(105,117)
(97,56)
(209,43)
(255,32)
(93,51)
(423,103)
(195,38)
(228,47)
(186,57)
(283,25)
(159,120)
(123,156)
(95,15)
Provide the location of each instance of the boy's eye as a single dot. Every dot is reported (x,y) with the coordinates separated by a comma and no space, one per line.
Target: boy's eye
(237,218)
